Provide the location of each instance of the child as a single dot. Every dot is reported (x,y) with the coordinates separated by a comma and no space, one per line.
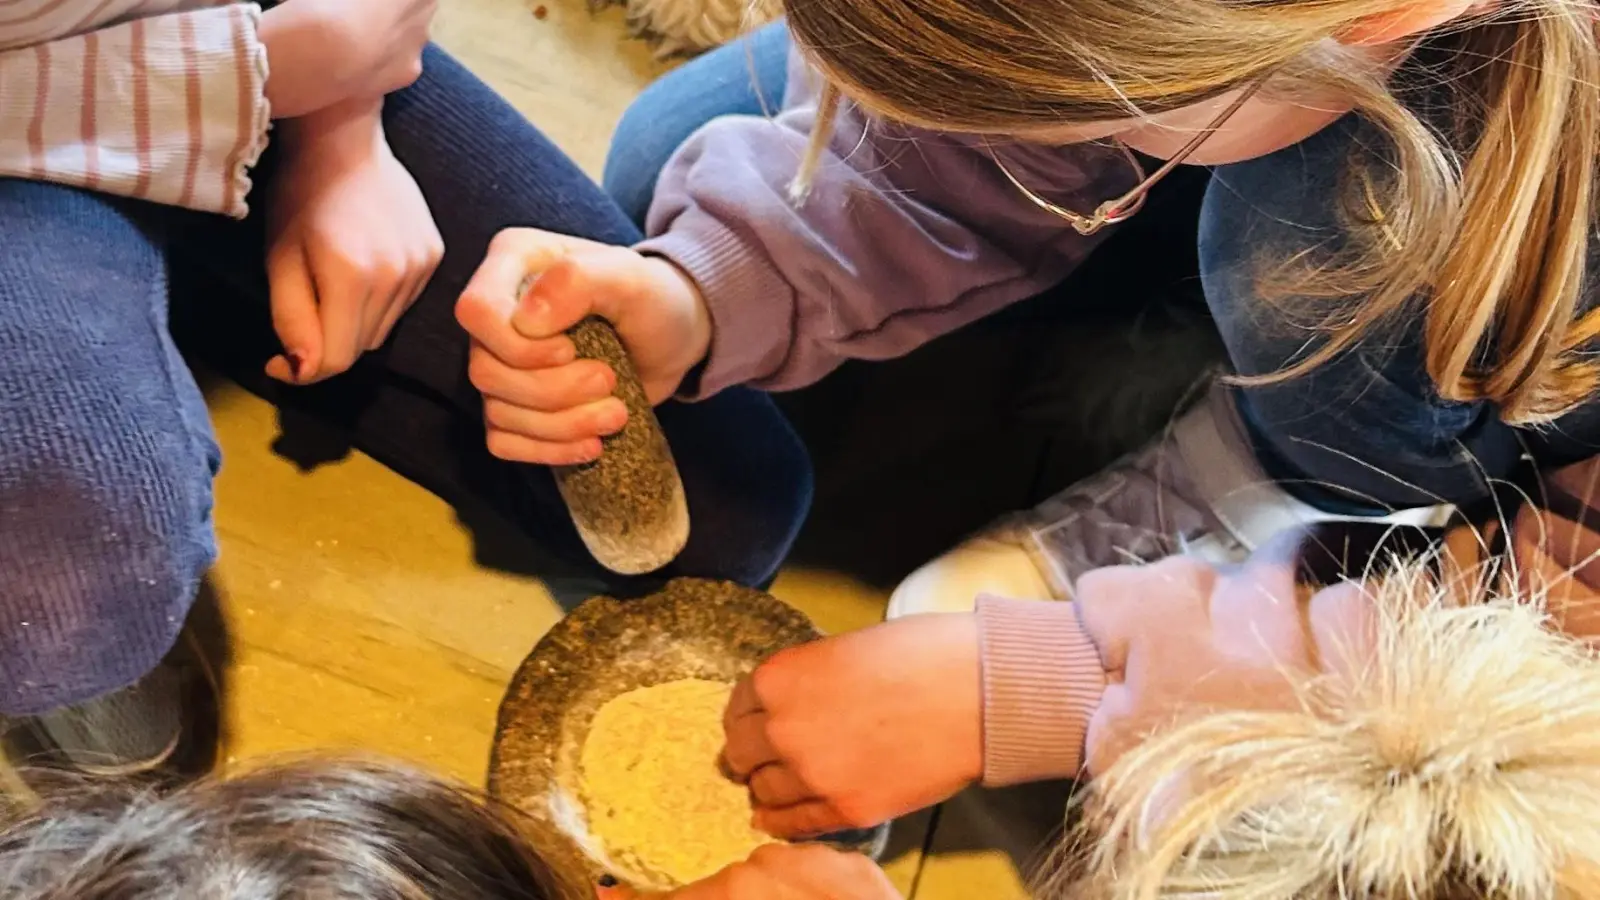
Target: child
(1425,733)
(130,133)
(297,831)
(1413,738)
(1394,245)
(312,829)
(1372,783)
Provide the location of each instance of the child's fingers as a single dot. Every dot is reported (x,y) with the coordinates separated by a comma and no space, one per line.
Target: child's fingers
(813,818)
(516,448)
(747,746)
(553,389)
(777,787)
(295,316)
(558,298)
(591,420)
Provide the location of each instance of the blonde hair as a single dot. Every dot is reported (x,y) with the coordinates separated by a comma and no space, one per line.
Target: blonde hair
(1462,761)
(1487,226)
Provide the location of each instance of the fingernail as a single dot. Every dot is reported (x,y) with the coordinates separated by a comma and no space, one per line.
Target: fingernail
(607,881)
(592,451)
(614,420)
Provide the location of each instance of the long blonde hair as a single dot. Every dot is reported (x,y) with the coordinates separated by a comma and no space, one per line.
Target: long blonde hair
(1487,226)
(1462,761)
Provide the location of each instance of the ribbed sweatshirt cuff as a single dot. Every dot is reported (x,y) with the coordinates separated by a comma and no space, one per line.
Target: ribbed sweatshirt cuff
(1042,680)
(742,290)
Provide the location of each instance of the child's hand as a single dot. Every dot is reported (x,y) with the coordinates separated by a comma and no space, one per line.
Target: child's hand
(1206,639)
(784,872)
(854,730)
(323,52)
(543,405)
(351,244)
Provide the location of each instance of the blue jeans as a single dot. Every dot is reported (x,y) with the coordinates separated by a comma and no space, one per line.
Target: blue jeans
(1363,431)
(108,460)
(743,78)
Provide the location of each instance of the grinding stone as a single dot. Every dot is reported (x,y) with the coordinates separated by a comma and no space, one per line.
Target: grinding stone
(606,647)
(628,505)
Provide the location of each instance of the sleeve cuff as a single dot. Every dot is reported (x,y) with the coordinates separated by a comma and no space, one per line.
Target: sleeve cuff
(748,300)
(208,113)
(1042,680)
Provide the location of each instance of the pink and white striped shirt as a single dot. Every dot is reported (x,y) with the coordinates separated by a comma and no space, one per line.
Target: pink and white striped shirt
(162,100)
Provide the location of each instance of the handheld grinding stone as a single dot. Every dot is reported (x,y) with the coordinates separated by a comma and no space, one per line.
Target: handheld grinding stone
(628,505)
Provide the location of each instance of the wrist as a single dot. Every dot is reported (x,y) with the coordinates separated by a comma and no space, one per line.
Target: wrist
(698,345)
(352,129)
(966,654)
(282,90)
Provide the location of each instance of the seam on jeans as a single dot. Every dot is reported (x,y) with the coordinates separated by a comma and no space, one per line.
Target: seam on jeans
(158,320)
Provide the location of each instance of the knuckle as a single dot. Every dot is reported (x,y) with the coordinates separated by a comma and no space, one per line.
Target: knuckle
(337,361)
(770,853)
(509,240)
(480,372)
(341,31)
(387,270)
(744,881)
(762,680)
(853,811)
(602,418)
(770,681)
(468,308)
(795,748)
(497,415)
(502,445)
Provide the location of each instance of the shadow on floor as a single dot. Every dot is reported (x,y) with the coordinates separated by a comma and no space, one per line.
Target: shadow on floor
(205,656)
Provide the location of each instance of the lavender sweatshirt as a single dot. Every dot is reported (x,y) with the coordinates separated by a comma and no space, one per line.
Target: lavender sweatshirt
(907,235)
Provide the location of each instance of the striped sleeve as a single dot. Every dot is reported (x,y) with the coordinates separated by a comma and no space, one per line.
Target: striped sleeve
(169,109)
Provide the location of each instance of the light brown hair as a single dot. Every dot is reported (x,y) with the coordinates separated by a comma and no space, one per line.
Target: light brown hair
(304,830)
(1461,761)
(1482,231)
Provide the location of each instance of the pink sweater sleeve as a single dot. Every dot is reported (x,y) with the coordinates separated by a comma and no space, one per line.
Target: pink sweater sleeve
(1067,687)
(169,109)
(1042,680)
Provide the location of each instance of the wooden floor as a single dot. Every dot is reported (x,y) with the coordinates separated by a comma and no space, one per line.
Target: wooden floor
(357,614)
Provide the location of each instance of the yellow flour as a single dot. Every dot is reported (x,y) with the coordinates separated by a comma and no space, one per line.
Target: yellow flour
(650,783)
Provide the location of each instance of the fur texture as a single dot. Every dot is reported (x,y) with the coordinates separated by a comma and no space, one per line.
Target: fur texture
(1462,762)
(688,27)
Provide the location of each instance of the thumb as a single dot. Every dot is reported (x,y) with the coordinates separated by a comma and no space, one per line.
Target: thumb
(295,315)
(556,299)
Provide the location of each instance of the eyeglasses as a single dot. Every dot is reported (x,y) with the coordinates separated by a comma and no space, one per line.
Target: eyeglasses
(1120,209)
